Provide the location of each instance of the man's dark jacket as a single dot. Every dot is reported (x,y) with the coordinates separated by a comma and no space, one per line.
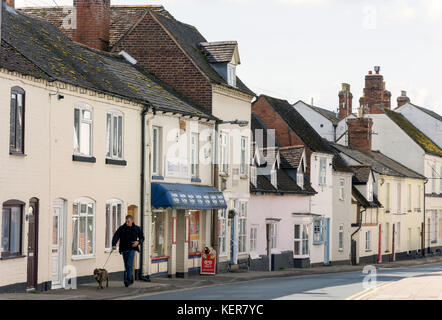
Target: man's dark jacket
(127,235)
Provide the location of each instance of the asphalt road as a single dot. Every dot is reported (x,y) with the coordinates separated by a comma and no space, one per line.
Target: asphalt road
(337,286)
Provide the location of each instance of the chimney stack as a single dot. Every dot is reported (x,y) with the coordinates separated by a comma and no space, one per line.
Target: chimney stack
(376,97)
(10,3)
(93,23)
(403,99)
(345,101)
(360,133)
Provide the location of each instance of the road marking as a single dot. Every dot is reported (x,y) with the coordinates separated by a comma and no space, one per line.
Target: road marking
(368,291)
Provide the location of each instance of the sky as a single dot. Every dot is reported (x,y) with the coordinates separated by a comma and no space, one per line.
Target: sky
(305,49)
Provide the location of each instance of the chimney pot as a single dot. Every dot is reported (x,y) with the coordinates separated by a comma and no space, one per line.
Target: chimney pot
(377,69)
(403,93)
(370,72)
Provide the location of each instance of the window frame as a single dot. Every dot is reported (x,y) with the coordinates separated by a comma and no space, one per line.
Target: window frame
(341,238)
(157,150)
(368,240)
(194,154)
(388,197)
(231,75)
(243,164)
(253,176)
(322,171)
(300,179)
(110,135)
(81,107)
(9,205)
(16,91)
(399,197)
(273,236)
(253,240)
(224,153)
(341,189)
(110,232)
(79,202)
(222,237)
(242,232)
(302,240)
(318,230)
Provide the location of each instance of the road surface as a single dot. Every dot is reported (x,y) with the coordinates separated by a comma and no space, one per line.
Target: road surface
(336,286)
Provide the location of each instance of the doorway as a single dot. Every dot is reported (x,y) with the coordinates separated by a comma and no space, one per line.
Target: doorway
(32,272)
(58,243)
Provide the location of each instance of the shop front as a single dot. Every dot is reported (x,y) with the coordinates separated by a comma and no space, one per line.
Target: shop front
(181,226)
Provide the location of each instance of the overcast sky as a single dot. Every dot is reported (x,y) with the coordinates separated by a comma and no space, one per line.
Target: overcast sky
(304,49)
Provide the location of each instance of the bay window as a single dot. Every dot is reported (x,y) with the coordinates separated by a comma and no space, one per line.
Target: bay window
(17,121)
(83,130)
(301,240)
(114,135)
(83,225)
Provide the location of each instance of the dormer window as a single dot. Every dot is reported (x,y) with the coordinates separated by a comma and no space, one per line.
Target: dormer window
(273,178)
(253,177)
(231,75)
(300,180)
(370,191)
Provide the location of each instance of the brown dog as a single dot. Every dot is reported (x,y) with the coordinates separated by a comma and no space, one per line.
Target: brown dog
(100,276)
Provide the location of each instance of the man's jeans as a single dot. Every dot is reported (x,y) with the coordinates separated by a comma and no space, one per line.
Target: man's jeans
(128,257)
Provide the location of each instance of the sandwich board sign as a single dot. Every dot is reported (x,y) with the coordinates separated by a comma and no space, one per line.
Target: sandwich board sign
(208,263)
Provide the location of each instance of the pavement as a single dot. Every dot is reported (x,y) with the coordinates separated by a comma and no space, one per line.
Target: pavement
(166,287)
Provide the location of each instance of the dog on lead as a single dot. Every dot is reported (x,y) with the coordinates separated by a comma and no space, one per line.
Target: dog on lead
(101,275)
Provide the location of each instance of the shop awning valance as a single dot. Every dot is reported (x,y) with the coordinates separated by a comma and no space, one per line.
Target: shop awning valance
(186,196)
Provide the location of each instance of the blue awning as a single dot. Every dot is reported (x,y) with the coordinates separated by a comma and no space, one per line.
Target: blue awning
(186,196)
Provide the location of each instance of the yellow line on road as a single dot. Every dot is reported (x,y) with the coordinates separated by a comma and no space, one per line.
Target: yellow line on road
(368,291)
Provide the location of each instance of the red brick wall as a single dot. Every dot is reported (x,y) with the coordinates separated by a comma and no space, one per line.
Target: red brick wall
(345,101)
(158,53)
(360,133)
(375,96)
(284,134)
(93,23)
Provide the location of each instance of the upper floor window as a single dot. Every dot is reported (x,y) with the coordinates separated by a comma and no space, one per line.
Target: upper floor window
(156,150)
(300,180)
(323,171)
(370,191)
(253,176)
(83,224)
(83,118)
(341,189)
(419,195)
(274,178)
(433,178)
(242,169)
(224,156)
(399,198)
(231,75)
(114,135)
(194,153)
(387,197)
(17,121)
(12,216)
(409,197)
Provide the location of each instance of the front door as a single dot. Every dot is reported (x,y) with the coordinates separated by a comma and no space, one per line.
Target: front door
(326,227)
(58,243)
(32,245)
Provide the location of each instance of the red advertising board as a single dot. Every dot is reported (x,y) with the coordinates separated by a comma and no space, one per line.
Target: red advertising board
(208,263)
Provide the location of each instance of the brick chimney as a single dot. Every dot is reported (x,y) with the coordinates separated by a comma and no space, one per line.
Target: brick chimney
(345,101)
(10,3)
(93,23)
(376,97)
(402,99)
(360,133)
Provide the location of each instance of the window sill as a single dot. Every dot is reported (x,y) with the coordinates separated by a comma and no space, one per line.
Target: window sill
(17,154)
(434,241)
(318,243)
(195,180)
(243,177)
(11,257)
(116,162)
(222,174)
(368,250)
(158,178)
(77,258)
(83,159)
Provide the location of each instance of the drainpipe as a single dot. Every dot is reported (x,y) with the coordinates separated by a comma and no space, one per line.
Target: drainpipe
(215,227)
(359,226)
(423,224)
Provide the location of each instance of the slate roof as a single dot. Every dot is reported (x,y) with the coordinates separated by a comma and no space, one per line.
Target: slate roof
(361,174)
(291,156)
(379,162)
(427,111)
(363,201)
(219,52)
(328,114)
(125,18)
(304,130)
(56,56)
(414,133)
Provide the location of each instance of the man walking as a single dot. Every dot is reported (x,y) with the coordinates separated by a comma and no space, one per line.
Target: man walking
(130,237)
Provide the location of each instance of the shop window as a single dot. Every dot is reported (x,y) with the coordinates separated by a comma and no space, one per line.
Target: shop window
(194,232)
(158,234)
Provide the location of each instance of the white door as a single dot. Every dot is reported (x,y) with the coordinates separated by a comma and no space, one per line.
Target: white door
(58,243)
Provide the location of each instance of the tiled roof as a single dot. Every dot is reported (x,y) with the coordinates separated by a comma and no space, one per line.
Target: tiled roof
(363,200)
(291,157)
(379,162)
(219,52)
(304,130)
(414,133)
(53,53)
(125,18)
(361,174)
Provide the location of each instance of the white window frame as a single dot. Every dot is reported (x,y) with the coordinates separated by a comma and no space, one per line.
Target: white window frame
(302,240)
(253,238)
(388,197)
(409,205)
(399,197)
(78,136)
(243,165)
(113,138)
(274,178)
(113,219)
(224,153)
(370,191)
(318,231)
(242,228)
(322,171)
(368,240)
(341,189)
(253,176)
(79,203)
(194,154)
(300,179)
(419,197)
(341,238)
(273,230)
(157,139)
(231,75)
(222,237)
